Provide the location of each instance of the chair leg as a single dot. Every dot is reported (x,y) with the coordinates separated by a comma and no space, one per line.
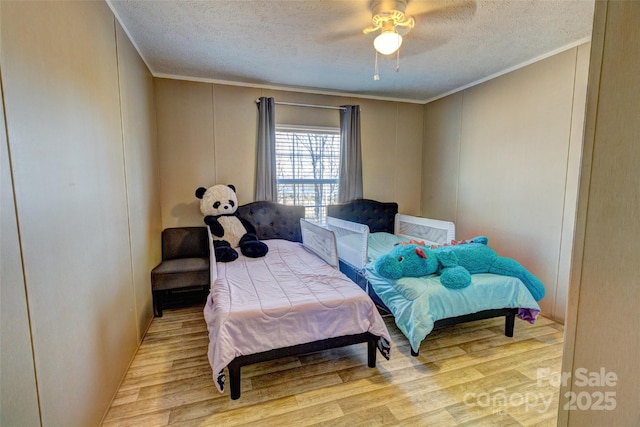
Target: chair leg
(157,303)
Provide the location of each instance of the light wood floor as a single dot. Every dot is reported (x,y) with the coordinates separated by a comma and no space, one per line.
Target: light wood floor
(465,375)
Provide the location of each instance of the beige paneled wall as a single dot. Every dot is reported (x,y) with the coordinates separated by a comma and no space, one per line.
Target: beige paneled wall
(186,151)
(207,135)
(141,167)
(601,332)
(407,168)
(235,121)
(379,179)
(79,118)
(18,395)
(497,162)
(572,181)
(441,156)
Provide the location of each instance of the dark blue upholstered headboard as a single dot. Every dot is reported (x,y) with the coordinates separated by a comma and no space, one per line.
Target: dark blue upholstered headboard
(379,216)
(274,220)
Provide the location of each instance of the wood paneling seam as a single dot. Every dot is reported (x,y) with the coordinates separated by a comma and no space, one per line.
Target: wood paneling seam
(124,171)
(126,192)
(460,125)
(213,132)
(593,95)
(18,231)
(562,216)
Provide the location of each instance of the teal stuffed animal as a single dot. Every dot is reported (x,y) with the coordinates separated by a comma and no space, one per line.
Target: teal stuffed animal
(454,263)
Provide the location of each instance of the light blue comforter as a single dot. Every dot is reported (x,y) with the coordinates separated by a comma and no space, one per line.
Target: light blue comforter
(417,302)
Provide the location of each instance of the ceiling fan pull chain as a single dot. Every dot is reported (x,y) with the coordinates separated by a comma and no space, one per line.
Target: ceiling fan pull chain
(397,60)
(376,76)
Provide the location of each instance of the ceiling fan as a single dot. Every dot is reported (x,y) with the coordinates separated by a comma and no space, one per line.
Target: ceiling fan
(389,16)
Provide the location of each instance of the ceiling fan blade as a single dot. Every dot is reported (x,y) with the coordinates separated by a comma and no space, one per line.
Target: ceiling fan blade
(412,50)
(442,11)
(339,36)
(371,29)
(404,27)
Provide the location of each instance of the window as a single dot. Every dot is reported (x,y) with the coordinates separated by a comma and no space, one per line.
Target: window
(308,168)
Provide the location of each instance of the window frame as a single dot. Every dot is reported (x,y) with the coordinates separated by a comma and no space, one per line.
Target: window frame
(330,130)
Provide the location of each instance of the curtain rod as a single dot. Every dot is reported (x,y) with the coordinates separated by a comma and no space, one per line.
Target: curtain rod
(295,104)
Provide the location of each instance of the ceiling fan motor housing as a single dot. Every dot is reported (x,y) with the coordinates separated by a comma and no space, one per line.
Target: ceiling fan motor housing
(389,11)
(388,8)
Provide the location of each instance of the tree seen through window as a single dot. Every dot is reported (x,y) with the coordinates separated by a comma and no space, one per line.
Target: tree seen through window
(308,167)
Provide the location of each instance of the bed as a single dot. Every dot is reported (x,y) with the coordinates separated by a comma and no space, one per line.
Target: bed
(292,301)
(367,228)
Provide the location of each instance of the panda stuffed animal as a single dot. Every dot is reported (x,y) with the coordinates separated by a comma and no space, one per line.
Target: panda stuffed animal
(219,205)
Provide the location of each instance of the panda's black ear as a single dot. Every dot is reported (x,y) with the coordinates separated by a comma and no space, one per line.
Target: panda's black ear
(200,192)
(233,187)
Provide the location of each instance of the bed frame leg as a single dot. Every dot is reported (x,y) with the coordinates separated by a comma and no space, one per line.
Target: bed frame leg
(371,352)
(509,321)
(234,381)
(415,353)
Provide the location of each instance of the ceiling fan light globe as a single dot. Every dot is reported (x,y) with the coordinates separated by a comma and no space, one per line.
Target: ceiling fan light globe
(387,42)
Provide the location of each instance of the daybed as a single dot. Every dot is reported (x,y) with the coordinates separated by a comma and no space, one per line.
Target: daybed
(367,228)
(287,303)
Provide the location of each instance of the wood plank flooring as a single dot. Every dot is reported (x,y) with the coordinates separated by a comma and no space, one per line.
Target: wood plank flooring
(466,375)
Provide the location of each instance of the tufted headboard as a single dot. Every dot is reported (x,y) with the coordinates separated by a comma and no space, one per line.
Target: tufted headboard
(379,216)
(274,220)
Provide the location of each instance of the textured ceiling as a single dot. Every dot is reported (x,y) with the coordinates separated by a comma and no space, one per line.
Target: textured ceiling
(318,45)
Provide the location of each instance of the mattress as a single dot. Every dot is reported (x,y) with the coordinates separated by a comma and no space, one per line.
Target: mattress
(417,302)
(286,298)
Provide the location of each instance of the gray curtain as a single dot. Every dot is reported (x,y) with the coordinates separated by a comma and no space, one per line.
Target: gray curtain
(350,186)
(266,188)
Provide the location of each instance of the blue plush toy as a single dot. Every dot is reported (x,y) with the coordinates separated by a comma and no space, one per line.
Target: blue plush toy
(455,264)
